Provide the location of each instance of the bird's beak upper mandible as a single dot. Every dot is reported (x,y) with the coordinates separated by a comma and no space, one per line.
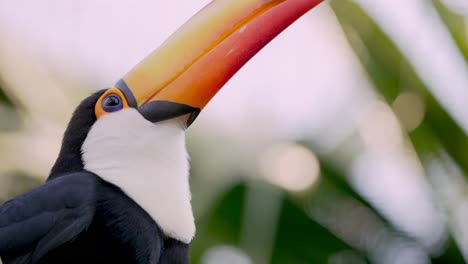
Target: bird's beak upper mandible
(201,56)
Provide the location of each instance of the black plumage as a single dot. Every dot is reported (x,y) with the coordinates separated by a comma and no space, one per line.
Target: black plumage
(69,159)
(76,217)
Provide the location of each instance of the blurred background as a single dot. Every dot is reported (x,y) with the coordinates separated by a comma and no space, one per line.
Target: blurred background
(343,141)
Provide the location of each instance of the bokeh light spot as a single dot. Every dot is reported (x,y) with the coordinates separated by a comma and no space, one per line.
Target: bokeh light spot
(379,127)
(225,254)
(410,109)
(290,166)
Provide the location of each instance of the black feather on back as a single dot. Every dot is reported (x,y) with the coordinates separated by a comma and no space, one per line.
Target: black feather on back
(42,219)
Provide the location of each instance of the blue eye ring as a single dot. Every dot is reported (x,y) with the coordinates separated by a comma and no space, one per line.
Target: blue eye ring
(112,103)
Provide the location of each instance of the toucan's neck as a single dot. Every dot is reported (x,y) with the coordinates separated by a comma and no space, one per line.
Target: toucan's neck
(69,159)
(148,162)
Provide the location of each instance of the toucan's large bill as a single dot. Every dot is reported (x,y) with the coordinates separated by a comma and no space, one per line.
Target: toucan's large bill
(197,60)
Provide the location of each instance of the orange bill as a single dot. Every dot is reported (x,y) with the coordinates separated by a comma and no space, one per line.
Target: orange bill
(198,59)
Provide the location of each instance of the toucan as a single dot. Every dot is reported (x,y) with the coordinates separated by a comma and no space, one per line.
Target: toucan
(119,189)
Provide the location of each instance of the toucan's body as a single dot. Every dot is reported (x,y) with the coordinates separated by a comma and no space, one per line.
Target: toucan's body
(95,222)
(119,190)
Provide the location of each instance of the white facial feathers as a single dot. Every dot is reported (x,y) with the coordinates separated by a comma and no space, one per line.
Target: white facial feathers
(149,162)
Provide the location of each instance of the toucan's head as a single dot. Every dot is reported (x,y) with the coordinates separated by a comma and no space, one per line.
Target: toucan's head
(174,83)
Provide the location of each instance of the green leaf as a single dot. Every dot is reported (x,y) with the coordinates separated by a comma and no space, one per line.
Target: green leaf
(4,98)
(456,25)
(302,240)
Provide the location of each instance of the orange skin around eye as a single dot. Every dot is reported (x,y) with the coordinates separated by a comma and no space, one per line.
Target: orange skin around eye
(99,111)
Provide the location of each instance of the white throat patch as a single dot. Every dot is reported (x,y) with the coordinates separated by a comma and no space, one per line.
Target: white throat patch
(149,162)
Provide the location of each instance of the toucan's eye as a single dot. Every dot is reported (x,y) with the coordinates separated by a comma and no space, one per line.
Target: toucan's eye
(112,103)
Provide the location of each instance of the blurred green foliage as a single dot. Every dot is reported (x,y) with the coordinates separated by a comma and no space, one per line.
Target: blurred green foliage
(392,74)
(456,26)
(4,98)
(299,238)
